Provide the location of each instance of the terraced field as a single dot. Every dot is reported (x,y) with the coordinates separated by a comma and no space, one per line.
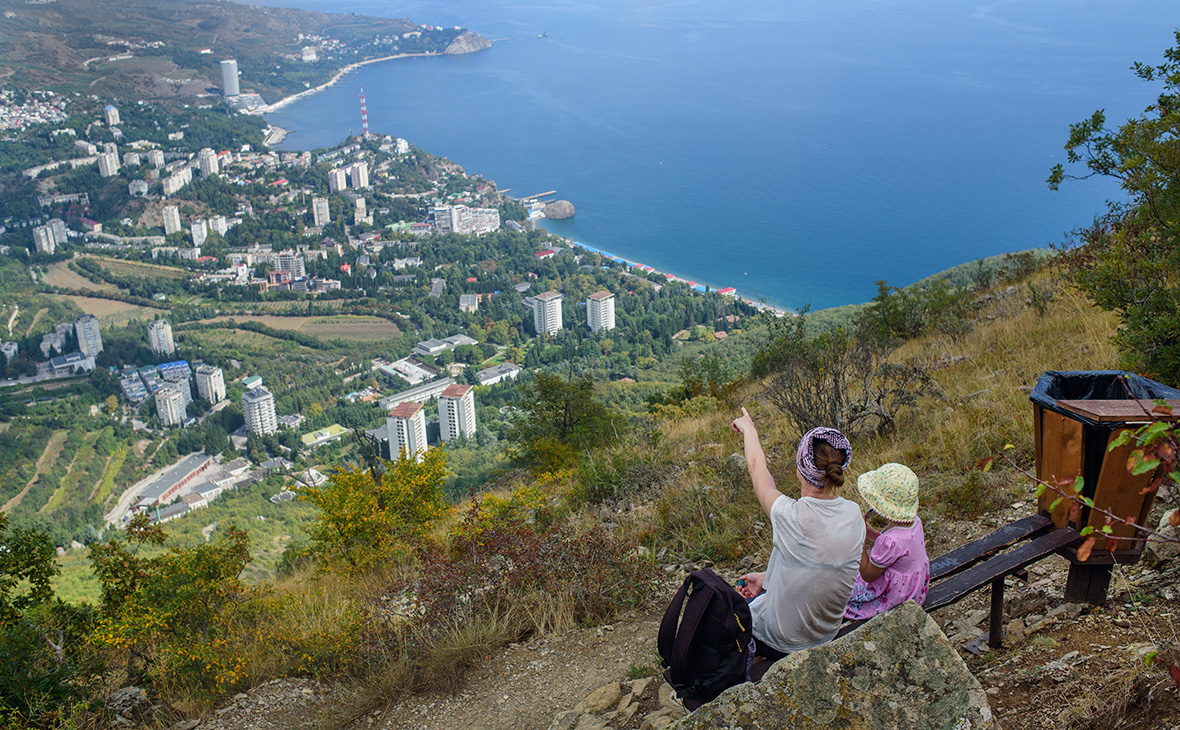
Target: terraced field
(341,327)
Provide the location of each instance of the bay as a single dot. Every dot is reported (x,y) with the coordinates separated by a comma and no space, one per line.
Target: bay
(797,151)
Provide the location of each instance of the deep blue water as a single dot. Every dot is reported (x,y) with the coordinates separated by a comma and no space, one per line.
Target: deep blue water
(797,151)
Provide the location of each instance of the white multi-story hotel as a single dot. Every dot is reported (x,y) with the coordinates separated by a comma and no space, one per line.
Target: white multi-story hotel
(337,180)
(291,262)
(110,115)
(43,239)
(359,174)
(319,211)
(160,337)
(461,219)
(108,164)
(89,338)
(171,220)
(258,406)
(200,232)
(600,311)
(406,429)
(229,77)
(456,412)
(170,404)
(207,162)
(547,312)
(210,383)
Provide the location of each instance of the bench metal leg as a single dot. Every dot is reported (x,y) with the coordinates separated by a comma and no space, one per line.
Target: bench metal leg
(996,622)
(1087,583)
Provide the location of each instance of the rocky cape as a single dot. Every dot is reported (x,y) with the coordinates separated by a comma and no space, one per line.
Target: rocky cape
(468,42)
(558,209)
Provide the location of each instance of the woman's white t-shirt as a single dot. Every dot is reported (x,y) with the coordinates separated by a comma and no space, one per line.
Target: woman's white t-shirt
(815,560)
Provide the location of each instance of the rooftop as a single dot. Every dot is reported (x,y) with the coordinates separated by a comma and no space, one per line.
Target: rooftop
(405,410)
(600,295)
(456,391)
(547,296)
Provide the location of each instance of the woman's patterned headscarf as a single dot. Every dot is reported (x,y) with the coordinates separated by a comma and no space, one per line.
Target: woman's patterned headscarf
(805,456)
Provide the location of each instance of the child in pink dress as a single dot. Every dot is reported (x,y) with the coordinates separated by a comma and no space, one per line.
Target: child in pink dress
(896,569)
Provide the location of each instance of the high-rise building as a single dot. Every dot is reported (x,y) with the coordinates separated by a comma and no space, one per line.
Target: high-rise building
(155,158)
(337,180)
(456,412)
(210,383)
(200,232)
(406,429)
(461,219)
(319,211)
(229,77)
(219,224)
(170,404)
(108,164)
(258,406)
(110,148)
(89,337)
(160,337)
(359,216)
(600,311)
(291,262)
(547,312)
(111,115)
(171,220)
(359,174)
(43,239)
(131,159)
(207,162)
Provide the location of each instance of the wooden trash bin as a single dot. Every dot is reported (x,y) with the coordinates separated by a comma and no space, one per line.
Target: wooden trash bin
(1076,414)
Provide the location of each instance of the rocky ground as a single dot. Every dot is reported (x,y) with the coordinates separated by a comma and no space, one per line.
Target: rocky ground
(1061,665)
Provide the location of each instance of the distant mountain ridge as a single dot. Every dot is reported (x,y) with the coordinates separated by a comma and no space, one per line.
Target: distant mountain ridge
(160,49)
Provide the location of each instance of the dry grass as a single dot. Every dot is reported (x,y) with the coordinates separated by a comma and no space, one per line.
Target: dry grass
(120,267)
(60,274)
(112,312)
(342,327)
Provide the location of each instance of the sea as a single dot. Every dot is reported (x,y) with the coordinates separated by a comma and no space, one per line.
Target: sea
(798,151)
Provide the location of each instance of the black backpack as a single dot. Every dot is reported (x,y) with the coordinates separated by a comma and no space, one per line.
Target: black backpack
(709,649)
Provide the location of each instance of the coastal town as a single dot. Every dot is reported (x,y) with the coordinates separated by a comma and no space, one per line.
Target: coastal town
(193,221)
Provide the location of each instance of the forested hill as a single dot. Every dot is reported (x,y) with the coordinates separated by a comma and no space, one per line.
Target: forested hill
(165,48)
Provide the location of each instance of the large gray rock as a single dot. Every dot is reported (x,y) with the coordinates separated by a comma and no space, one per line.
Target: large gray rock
(558,209)
(896,671)
(468,42)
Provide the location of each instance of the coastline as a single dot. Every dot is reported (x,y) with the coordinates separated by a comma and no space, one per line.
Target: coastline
(267,109)
(701,288)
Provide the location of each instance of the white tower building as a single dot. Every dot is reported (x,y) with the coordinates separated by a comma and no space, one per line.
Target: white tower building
(258,406)
(108,164)
(319,211)
(170,404)
(337,180)
(210,383)
(456,412)
(200,232)
(155,158)
(171,220)
(359,173)
(547,313)
(160,337)
(600,311)
(229,77)
(207,162)
(406,428)
(43,239)
(89,338)
(111,115)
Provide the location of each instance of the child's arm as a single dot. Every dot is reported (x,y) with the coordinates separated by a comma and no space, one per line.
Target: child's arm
(868,571)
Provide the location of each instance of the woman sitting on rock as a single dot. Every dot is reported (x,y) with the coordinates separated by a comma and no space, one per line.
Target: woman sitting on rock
(799,601)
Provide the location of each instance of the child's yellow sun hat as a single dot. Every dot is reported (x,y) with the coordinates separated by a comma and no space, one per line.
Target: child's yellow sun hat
(892,491)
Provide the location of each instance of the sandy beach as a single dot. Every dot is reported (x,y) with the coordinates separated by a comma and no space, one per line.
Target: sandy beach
(267,109)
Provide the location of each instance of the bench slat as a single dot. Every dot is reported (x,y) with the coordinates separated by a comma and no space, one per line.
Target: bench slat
(952,589)
(964,557)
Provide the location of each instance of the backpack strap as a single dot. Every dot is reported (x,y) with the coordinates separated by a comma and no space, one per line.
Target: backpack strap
(688,628)
(667,635)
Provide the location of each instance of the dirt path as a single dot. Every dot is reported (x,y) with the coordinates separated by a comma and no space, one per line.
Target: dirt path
(63,485)
(48,456)
(12,319)
(36,318)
